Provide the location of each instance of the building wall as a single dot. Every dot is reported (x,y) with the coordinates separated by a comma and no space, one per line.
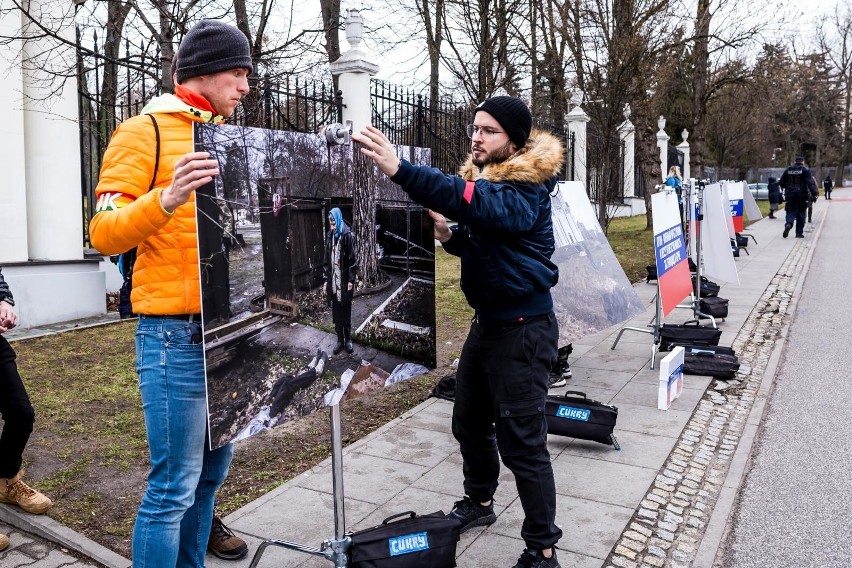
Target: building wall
(41,243)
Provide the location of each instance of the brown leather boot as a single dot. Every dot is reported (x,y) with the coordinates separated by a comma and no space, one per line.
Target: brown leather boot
(224,543)
(4,542)
(16,492)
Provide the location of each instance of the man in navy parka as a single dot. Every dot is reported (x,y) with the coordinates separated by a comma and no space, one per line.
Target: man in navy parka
(504,236)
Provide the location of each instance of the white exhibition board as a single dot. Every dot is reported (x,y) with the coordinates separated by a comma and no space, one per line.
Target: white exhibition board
(729,219)
(671,378)
(690,210)
(718,261)
(752,211)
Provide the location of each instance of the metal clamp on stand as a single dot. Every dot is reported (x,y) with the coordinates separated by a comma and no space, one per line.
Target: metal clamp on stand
(335,550)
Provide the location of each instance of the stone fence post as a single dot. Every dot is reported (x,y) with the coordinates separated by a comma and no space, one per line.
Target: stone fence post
(663,145)
(353,71)
(627,135)
(575,122)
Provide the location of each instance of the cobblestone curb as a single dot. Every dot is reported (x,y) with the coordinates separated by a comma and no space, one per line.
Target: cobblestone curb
(669,524)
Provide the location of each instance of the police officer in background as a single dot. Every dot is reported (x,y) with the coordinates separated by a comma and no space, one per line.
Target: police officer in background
(799,186)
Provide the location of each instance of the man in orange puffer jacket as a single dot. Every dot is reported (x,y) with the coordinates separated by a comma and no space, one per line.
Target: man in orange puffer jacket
(146,199)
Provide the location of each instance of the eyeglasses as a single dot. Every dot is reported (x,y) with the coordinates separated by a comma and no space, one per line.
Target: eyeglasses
(473,129)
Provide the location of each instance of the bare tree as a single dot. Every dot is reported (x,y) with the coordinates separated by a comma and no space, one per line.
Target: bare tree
(835,40)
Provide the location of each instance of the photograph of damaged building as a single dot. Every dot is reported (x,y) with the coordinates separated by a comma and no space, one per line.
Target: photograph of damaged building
(262,226)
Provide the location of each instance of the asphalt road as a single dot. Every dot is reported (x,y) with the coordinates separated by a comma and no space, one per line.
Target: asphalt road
(795,508)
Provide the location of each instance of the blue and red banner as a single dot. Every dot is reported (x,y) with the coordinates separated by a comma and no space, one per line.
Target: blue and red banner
(735,195)
(670,251)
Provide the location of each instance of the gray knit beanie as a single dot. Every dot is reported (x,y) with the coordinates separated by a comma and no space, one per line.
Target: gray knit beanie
(211,46)
(512,114)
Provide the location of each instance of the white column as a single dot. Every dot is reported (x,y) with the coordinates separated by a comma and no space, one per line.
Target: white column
(684,147)
(627,134)
(41,244)
(52,148)
(575,122)
(13,195)
(663,145)
(354,70)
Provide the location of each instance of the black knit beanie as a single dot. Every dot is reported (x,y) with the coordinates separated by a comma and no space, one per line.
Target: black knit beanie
(512,114)
(211,46)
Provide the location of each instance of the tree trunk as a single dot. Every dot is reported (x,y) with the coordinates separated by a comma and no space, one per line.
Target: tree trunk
(647,158)
(364,218)
(166,42)
(251,101)
(331,26)
(699,88)
(107,121)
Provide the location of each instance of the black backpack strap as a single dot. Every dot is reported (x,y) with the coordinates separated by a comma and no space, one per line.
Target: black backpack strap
(157,155)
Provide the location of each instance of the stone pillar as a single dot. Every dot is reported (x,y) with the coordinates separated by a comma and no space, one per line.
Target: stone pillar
(663,145)
(684,147)
(353,71)
(627,134)
(52,149)
(13,195)
(41,245)
(575,123)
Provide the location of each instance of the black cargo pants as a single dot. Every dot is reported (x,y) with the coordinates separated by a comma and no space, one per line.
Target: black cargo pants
(501,386)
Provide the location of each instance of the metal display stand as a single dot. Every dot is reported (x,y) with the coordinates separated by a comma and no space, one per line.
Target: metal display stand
(697,314)
(652,328)
(335,550)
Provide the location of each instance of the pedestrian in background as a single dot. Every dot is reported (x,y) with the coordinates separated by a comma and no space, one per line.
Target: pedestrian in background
(827,186)
(675,181)
(776,198)
(173,524)
(340,267)
(505,240)
(799,188)
(18,419)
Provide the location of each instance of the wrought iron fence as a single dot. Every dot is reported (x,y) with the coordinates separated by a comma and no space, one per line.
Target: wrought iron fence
(292,104)
(412,119)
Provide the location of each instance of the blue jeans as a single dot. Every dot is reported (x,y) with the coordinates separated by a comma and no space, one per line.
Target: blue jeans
(173,523)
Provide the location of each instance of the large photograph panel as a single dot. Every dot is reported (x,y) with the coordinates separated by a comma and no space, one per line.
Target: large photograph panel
(593,292)
(282,235)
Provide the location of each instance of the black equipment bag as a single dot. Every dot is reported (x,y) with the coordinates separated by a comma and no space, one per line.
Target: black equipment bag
(714,306)
(711,349)
(693,334)
(426,541)
(718,365)
(577,416)
(708,288)
(652,272)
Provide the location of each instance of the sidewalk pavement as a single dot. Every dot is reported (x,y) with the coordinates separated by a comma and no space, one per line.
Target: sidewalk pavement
(663,500)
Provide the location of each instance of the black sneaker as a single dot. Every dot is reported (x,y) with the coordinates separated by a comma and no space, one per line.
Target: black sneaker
(787,227)
(800,236)
(534,559)
(471,514)
(557,380)
(224,543)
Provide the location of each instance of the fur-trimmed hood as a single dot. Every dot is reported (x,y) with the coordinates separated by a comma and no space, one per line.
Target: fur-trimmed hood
(538,161)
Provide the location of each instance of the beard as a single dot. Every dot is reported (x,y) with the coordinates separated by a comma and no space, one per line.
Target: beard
(494,157)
